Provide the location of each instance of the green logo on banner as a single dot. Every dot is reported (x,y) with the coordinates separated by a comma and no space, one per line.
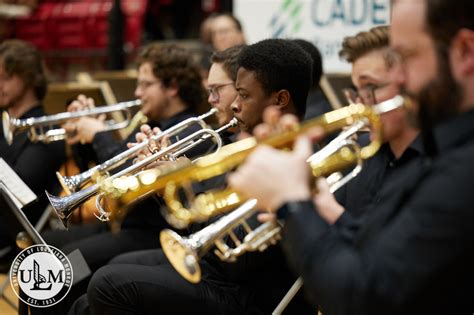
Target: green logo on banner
(287,20)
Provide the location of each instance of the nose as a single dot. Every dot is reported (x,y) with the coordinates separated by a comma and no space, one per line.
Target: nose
(138,92)
(236,106)
(211,99)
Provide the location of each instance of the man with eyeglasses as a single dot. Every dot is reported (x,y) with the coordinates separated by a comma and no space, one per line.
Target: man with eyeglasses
(170,88)
(373,67)
(256,282)
(415,254)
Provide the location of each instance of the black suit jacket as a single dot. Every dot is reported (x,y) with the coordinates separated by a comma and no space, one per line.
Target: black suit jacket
(413,255)
(35,163)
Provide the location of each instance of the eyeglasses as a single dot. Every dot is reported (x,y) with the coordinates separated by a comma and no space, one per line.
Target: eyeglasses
(214,90)
(146,84)
(366,95)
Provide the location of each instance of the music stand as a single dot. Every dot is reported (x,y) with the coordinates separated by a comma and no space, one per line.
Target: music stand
(7,201)
(20,222)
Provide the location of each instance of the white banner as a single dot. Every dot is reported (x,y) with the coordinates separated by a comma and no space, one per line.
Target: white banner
(323,22)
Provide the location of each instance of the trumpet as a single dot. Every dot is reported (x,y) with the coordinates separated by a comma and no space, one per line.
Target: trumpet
(41,129)
(64,206)
(73,183)
(184,253)
(204,206)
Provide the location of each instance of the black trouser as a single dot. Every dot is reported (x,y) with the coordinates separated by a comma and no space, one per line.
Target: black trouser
(145,283)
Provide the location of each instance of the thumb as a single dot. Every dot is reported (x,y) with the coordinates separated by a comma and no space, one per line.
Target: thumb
(322,185)
(303,147)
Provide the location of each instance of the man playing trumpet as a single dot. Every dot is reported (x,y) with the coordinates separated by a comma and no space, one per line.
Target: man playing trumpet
(169,86)
(250,285)
(23,86)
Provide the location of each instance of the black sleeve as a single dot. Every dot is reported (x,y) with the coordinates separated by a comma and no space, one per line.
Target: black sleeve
(107,146)
(429,238)
(38,163)
(341,195)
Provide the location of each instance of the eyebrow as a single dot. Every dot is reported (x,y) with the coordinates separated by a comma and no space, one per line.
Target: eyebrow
(368,77)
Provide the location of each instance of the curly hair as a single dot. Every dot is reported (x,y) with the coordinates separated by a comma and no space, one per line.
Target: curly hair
(173,64)
(377,38)
(280,64)
(24,60)
(229,60)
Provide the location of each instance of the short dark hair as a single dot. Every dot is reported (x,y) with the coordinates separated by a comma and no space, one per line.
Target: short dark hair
(228,58)
(173,64)
(24,60)
(280,64)
(377,38)
(313,51)
(444,18)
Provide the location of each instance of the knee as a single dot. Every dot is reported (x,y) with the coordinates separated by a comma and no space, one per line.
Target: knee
(102,285)
(120,259)
(109,289)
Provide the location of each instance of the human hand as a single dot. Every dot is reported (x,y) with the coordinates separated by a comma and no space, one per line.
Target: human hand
(326,204)
(81,103)
(275,177)
(83,129)
(147,134)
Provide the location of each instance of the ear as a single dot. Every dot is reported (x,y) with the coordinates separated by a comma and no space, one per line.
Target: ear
(462,56)
(282,99)
(172,89)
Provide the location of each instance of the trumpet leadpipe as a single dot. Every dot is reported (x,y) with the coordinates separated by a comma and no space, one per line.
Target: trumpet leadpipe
(74,183)
(12,126)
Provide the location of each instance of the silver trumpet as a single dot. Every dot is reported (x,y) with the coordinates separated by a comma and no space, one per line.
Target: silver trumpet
(73,183)
(41,129)
(64,206)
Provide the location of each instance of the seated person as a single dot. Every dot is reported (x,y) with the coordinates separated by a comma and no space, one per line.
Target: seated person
(23,87)
(257,281)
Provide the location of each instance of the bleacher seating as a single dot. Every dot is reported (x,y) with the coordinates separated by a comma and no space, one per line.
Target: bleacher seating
(59,25)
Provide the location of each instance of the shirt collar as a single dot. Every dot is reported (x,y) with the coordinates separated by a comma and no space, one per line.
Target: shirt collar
(413,150)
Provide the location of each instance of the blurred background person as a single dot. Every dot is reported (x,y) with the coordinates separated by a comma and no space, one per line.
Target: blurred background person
(23,86)
(226,31)
(169,86)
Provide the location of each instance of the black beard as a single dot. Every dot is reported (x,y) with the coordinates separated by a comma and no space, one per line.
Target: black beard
(438,100)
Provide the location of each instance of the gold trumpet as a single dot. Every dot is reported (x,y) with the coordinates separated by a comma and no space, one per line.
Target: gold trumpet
(184,253)
(41,129)
(212,203)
